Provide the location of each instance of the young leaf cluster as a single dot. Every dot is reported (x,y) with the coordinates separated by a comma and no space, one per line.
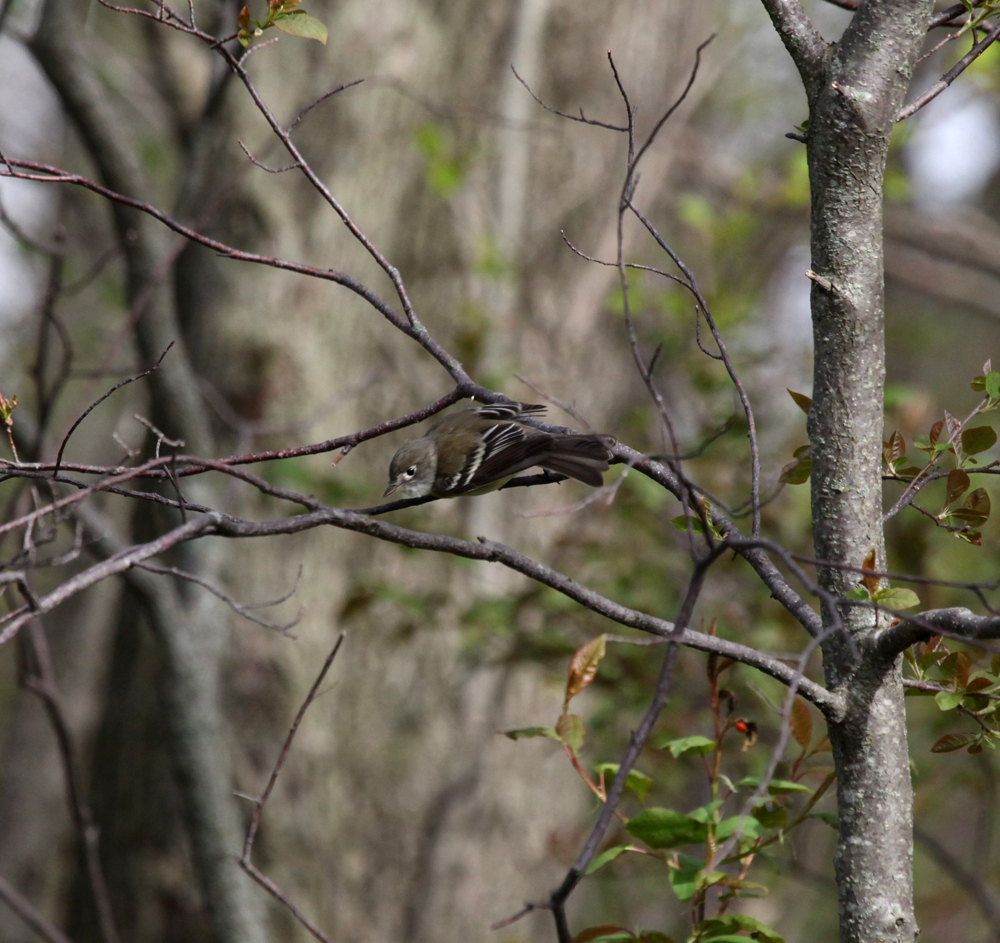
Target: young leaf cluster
(957,683)
(284,15)
(688,843)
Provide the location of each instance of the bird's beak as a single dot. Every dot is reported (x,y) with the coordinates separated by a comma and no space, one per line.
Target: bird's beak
(393,486)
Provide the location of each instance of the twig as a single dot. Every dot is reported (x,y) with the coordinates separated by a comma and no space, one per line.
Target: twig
(953,73)
(242,609)
(30,915)
(582,118)
(38,678)
(96,403)
(245,862)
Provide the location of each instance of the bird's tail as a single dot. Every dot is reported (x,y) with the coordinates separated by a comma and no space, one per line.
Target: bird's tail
(582,457)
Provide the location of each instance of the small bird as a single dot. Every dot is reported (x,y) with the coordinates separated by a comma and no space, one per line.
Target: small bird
(477,450)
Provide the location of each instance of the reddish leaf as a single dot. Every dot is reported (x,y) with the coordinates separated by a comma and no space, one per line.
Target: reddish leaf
(583,666)
(897,447)
(870,582)
(962,666)
(958,484)
(977,684)
(935,432)
(243,20)
(801,723)
(953,741)
(975,511)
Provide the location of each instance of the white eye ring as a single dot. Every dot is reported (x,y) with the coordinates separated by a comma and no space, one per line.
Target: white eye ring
(411,471)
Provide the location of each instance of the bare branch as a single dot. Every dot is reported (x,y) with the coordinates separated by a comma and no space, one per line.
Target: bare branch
(582,118)
(30,915)
(258,811)
(243,609)
(96,403)
(953,73)
(101,571)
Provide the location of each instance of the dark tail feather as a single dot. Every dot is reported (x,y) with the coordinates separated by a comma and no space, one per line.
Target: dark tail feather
(580,457)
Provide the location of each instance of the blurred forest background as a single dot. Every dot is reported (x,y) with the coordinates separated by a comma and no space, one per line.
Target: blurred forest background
(401,814)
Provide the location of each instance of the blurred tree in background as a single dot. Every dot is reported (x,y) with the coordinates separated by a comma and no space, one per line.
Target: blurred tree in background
(400,814)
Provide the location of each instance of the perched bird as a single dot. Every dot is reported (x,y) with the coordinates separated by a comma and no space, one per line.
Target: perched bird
(477,450)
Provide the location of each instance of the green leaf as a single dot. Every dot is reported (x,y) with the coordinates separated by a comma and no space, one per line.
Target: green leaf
(603,934)
(798,471)
(605,856)
(771,816)
(745,824)
(695,744)
(801,400)
(636,782)
(681,523)
(782,787)
(719,928)
(953,741)
(978,439)
(684,882)
(932,658)
(665,828)
(947,701)
(859,592)
(776,787)
(706,813)
(303,25)
(829,817)
(992,384)
(897,598)
(570,730)
(524,733)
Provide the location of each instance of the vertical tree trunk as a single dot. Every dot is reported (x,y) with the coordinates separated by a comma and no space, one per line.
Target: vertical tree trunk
(855,90)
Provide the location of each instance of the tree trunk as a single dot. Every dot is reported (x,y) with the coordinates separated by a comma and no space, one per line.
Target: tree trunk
(856,88)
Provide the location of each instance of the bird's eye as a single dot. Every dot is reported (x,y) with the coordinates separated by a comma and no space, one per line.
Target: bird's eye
(411,471)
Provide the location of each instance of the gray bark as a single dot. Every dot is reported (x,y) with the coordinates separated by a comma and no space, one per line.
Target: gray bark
(855,89)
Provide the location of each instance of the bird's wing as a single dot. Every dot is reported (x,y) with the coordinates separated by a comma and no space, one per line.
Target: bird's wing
(504,449)
(507,411)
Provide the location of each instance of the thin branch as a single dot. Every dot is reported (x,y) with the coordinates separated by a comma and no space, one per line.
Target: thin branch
(40,681)
(101,571)
(692,285)
(96,403)
(257,163)
(29,914)
(677,103)
(637,741)
(953,73)
(322,98)
(243,609)
(245,862)
(582,118)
